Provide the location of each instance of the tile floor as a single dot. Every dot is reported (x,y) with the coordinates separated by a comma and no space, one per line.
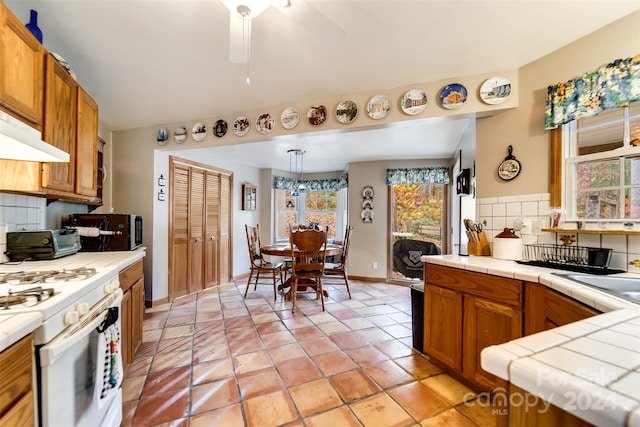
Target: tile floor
(217,359)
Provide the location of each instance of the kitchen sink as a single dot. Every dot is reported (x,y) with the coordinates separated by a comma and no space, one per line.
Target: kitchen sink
(624,287)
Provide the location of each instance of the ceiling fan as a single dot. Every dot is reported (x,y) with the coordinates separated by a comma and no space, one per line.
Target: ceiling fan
(242,12)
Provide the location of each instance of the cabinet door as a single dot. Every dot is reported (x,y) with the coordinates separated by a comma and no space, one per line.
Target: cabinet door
(87,146)
(60,126)
(125,326)
(486,323)
(196,230)
(22,65)
(179,233)
(225,227)
(212,230)
(443,325)
(137,315)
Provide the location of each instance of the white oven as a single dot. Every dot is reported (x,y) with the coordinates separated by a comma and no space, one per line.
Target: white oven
(80,372)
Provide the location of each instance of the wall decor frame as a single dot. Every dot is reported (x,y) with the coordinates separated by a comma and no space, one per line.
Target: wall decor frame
(249,197)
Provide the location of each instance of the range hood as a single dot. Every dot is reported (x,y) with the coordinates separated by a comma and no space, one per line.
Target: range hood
(19,141)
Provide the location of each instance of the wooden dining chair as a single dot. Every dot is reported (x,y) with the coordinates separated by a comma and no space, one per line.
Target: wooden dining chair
(308,255)
(340,268)
(258,264)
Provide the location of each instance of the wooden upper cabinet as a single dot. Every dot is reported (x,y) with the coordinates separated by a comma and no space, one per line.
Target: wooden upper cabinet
(22,69)
(59,130)
(87,146)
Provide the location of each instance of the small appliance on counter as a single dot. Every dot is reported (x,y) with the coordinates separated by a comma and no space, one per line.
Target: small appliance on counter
(41,245)
(107,232)
(507,245)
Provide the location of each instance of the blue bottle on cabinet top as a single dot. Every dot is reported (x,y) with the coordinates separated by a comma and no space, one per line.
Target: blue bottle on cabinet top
(33,25)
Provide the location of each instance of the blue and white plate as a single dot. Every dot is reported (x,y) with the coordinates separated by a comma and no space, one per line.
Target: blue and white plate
(453,96)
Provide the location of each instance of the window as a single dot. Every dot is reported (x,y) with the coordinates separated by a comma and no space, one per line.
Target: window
(602,165)
(323,207)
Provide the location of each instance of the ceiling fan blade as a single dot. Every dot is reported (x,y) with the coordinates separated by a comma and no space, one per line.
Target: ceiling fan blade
(312,19)
(239,38)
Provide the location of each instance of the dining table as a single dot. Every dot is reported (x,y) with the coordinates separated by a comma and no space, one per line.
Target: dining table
(284,250)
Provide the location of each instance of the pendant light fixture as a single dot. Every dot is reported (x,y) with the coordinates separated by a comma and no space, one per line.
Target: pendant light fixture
(299,185)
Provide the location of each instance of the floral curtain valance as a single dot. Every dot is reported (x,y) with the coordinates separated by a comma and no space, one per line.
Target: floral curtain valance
(418,176)
(282,183)
(610,86)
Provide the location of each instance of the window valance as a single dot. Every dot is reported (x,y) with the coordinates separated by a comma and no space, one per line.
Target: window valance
(282,183)
(610,86)
(438,175)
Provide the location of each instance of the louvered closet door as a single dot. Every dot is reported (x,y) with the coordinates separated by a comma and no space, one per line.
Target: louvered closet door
(179,231)
(225,227)
(212,230)
(196,230)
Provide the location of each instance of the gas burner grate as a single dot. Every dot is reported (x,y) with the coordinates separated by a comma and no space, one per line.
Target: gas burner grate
(28,297)
(52,276)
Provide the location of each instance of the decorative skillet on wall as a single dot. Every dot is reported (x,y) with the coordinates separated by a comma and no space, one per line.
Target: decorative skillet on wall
(510,167)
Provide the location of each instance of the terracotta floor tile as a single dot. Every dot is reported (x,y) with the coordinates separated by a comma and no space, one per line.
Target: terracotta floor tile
(208,316)
(319,346)
(151,335)
(180,320)
(277,339)
(267,317)
(374,335)
(237,322)
(348,340)
(296,322)
(209,327)
(132,387)
(261,382)
(245,345)
(177,331)
(212,371)
(358,323)
(397,330)
(447,387)
(171,360)
(251,362)
(418,400)
(168,380)
(332,328)
(480,411)
(162,407)
(271,409)
(366,355)
(315,396)
(418,366)
(380,410)
(206,353)
(388,374)
(381,320)
(286,353)
(354,385)
(344,314)
(214,395)
(140,366)
(394,349)
(334,363)
(339,417)
(447,419)
(180,422)
(297,372)
(307,333)
(206,338)
(271,327)
(128,412)
(241,333)
(228,416)
(170,345)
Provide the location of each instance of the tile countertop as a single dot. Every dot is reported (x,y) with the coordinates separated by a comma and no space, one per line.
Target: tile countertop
(14,327)
(589,368)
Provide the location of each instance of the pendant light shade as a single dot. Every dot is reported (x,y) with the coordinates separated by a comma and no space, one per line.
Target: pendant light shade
(299,186)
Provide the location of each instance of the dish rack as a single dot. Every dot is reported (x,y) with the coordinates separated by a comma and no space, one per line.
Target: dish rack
(575,258)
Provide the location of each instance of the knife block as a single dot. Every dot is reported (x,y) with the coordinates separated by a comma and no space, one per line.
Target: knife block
(481,247)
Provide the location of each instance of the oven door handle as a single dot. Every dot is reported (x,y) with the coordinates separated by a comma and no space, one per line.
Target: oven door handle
(71,336)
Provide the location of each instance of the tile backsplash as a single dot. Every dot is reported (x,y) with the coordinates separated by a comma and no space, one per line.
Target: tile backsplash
(18,212)
(532,210)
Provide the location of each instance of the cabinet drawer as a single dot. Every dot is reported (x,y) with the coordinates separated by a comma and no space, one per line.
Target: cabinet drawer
(130,275)
(21,414)
(15,381)
(502,289)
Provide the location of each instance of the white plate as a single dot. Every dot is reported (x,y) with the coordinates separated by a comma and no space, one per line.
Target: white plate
(199,131)
(241,126)
(180,134)
(65,65)
(346,112)
(289,118)
(495,90)
(378,107)
(265,123)
(413,102)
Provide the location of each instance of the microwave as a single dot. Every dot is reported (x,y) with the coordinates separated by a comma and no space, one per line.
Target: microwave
(117,232)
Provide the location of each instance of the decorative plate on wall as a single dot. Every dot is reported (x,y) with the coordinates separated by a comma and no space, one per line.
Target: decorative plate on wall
(413,102)
(199,131)
(265,123)
(289,118)
(378,107)
(220,128)
(495,90)
(65,65)
(346,112)
(162,136)
(453,96)
(180,134)
(241,126)
(317,115)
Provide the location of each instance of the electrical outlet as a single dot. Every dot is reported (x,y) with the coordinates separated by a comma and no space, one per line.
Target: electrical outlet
(375,265)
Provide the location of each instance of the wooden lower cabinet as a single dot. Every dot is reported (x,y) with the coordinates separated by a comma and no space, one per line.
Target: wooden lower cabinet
(132,284)
(16,394)
(443,325)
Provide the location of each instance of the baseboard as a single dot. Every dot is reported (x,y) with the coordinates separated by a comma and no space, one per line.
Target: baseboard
(367,279)
(155,303)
